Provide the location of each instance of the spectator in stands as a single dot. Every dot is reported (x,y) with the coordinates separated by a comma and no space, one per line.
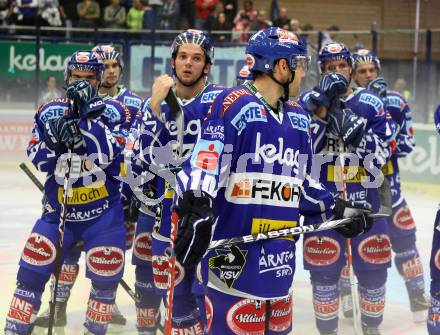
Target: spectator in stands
(114,15)
(283,20)
(149,19)
(169,15)
(69,13)
(330,35)
(51,92)
(24,12)
(135,15)
(89,14)
(4,9)
(204,10)
(50,13)
(400,87)
(294,26)
(221,24)
(240,32)
(230,10)
(248,10)
(261,21)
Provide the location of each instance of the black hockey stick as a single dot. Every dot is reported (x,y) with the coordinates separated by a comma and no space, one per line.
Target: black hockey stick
(176,111)
(136,296)
(287,232)
(59,247)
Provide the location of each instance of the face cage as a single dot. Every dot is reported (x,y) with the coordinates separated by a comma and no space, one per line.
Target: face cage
(98,69)
(366,59)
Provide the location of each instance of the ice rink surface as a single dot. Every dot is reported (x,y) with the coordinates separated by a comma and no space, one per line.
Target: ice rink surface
(20,207)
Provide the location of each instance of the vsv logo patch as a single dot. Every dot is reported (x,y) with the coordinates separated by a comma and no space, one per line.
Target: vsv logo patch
(230,263)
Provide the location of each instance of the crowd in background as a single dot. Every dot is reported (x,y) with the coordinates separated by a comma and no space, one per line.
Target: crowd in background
(222,18)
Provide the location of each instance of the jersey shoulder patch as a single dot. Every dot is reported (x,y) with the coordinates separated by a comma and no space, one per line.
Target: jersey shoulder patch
(53,109)
(373,101)
(116,111)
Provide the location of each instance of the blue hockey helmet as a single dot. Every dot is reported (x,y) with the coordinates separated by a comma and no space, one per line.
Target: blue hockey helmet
(85,60)
(365,56)
(108,52)
(193,36)
(269,45)
(244,75)
(334,51)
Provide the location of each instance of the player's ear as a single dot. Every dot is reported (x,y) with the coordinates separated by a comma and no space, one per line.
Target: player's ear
(206,69)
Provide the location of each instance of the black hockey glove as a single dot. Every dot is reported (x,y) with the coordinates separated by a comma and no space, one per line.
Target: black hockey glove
(196,219)
(61,132)
(330,87)
(85,99)
(347,125)
(378,86)
(358,212)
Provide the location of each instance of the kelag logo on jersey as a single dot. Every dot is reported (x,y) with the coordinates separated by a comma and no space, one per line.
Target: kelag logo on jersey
(371,100)
(209,97)
(132,101)
(299,121)
(252,112)
(230,263)
(52,112)
(206,155)
(263,189)
(111,113)
(192,127)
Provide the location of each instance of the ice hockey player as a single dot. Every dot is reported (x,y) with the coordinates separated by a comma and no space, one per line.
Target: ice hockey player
(76,122)
(250,172)
(352,124)
(192,56)
(109,89)
(434,309)
(401,225)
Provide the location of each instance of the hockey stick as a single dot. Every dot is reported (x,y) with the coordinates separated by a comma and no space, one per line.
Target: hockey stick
(287,232)
(59,247)
(177,112)
(353,288)
(136,296)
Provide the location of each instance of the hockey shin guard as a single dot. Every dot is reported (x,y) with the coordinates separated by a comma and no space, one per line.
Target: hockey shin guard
(100,307)
(147,310)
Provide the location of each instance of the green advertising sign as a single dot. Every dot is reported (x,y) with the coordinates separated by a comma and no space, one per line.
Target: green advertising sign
(423,164)
(18,58)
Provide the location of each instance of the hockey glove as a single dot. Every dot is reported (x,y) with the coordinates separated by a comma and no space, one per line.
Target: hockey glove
(196,219)
(361,222)
(61,132)
(437,119)
(330,87)
(348,126)
(378,86)
(85,99)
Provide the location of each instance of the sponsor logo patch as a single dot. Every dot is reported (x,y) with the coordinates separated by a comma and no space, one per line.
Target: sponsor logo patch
(229,262)
(353,174)
(105,261)
(83,195)
(112,113)
(132,101)
(375,249)
(38,250)
(412,268)
(403,219)
(52,112)
(252,112)
(142,246)
(146,317)
(206,155)
(321,250)
(209,97)
(271,153)
(215,132)
(263,189)
(233,97)
(245,318)
(373,101)
(20,310)
(161,268)
(298,121)
(388,168)
(280,263)
(99,312)
(280,315)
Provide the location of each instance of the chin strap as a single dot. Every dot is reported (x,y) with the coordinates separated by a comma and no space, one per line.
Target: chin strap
(285,85)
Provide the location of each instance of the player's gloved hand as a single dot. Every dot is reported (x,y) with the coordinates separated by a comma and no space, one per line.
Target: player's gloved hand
(330,87)
(378,86)
(85,99)
(60,133)
(437,119)
(196,215)
(347,125)
(358,212)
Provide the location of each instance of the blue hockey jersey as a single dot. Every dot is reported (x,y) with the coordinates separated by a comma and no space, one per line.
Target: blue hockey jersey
(95,165)
(256,164)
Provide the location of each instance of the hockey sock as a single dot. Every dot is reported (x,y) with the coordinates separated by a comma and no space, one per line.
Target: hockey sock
(68,275)
(344,281)
(186,316)
(372,296)
(434,310)
(100,307)
(410,267)
(147,310)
